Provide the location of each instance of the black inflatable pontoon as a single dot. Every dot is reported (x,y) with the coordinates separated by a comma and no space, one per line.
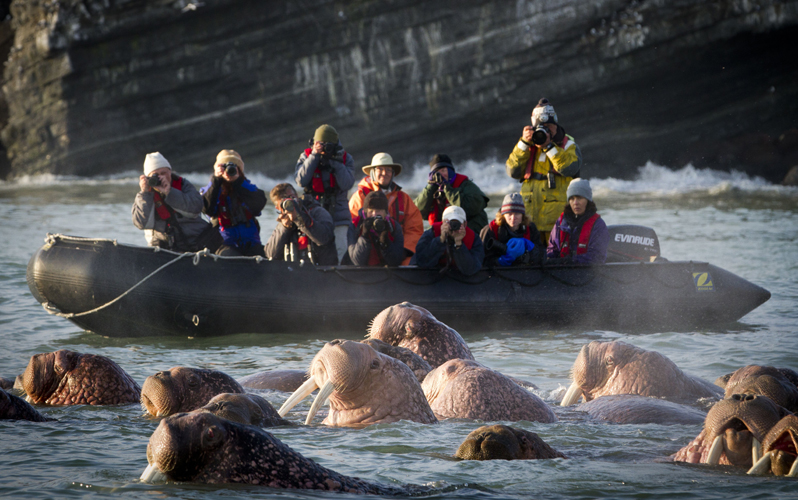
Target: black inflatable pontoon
(156,293)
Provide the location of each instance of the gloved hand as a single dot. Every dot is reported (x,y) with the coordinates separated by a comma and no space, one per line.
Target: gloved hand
(365,226)
(385,239)
(516,247)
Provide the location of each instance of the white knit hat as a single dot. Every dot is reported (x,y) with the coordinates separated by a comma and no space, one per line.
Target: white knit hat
(154,161)
(454,213)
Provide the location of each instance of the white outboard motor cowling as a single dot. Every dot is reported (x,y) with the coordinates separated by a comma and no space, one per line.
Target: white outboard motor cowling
(629,243)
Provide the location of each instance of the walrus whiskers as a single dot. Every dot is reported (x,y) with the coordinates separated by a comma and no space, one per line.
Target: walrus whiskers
(301,393)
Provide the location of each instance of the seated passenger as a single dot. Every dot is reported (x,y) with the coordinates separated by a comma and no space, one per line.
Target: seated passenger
(168,209)
(380,177)
(233,203)
(375,239)
(580,235)
(304,229)
(446,187)
(450,244)
(511,238)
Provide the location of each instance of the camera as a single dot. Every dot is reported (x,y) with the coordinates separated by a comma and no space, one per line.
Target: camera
(329,149)
(495,247)
(455,225)
(288,205)
(230,169)
(437,178)
(379,224)
(154,180)
(540,135)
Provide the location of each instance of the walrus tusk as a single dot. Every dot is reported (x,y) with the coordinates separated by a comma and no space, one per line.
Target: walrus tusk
(715,451)
(301,393)
(572,395)
(794,469)
(756,450)
(152,474)
(321,398)
(762,465)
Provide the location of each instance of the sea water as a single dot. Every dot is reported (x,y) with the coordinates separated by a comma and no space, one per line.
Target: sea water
(743,224)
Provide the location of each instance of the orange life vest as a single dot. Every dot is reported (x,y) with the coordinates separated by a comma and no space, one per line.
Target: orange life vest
(436,214)
(584,236)
(398,208)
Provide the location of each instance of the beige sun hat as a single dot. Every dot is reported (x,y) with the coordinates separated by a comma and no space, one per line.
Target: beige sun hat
(382,160)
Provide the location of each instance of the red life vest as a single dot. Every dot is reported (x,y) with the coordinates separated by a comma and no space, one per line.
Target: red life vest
(584,236)
(495,228)
(436,214)
(317,184)
(468,241)
(375,259)
(162,210)
(223,210)
(398,208)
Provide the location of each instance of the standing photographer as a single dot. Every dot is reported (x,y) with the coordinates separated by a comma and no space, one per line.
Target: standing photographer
(304,229)
(450,244)
(327,172)
(545,161)
(233,203)
(375,239)
(168,209)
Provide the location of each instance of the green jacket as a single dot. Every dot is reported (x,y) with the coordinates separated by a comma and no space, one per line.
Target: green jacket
(467,196)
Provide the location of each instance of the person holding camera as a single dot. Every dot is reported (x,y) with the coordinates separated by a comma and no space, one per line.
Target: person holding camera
(233,203)
(511,238)
(326,172)
(168,208)
(380,177)
(375,238)
(450,244)
(580,235)
(445,188)
(545,160)
(304,229)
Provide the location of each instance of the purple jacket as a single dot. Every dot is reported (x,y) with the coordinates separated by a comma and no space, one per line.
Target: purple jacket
(596,247)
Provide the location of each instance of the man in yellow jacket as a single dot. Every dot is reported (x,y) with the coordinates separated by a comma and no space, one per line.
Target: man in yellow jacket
(379,177)
(545,161)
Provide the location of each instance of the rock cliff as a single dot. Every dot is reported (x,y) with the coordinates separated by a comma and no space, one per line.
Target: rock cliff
(93,85)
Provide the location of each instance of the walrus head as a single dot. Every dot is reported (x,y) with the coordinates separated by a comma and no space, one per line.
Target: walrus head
(780,447)
(765,380)
(249,409)
(413,327)
(181,389)
(45,372)
(502,442)
(363,386)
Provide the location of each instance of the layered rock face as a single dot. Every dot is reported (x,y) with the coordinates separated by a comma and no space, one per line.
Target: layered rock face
(94,85)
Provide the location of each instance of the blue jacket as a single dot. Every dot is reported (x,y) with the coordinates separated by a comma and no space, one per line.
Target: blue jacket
(235,211)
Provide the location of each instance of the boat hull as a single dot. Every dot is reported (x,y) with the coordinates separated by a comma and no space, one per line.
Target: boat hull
(198,296)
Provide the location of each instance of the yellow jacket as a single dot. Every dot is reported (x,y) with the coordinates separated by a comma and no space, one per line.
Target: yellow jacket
(544,205)
(413,224)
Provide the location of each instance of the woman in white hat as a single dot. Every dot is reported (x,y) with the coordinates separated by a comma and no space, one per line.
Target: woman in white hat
(580,234)
(380,176)
(450,244)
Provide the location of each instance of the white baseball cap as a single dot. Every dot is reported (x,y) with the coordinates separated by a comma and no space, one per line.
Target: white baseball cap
(454,213)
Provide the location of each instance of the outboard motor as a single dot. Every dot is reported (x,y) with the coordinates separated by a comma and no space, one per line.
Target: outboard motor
(630,243)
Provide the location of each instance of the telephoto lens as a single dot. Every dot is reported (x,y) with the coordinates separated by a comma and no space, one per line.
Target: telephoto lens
(231,169)
(455,225)
(154,180)
(288,205)
(379,224)
(540,135)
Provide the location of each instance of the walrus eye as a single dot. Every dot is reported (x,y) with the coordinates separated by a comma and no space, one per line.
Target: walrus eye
(193,381)
(375,364)
(609,361)
(211,436)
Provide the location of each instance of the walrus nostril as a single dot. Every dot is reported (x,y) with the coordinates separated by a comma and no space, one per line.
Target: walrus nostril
(750,397)
(737,397)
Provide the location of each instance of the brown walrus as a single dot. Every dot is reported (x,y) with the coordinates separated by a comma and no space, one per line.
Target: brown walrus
(15,408)
(182,389)
(502,442)
(249,409)
(413,327)
(71,378)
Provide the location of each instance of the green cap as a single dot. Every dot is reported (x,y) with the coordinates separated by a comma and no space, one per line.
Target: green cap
(326,133)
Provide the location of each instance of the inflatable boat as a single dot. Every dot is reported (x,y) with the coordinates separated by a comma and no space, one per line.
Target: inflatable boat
(120,290)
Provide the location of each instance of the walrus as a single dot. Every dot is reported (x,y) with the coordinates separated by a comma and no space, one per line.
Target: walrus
(463,388)
(15,408)
(415,328)
(733,432)
(71,378)
(275,380)
(415,362)
(184,389)
(248,409)
(780,449)
(364,387)
(502,442)
(608,368)
(765,380)
(632,409)
(6,384)
(200,447)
